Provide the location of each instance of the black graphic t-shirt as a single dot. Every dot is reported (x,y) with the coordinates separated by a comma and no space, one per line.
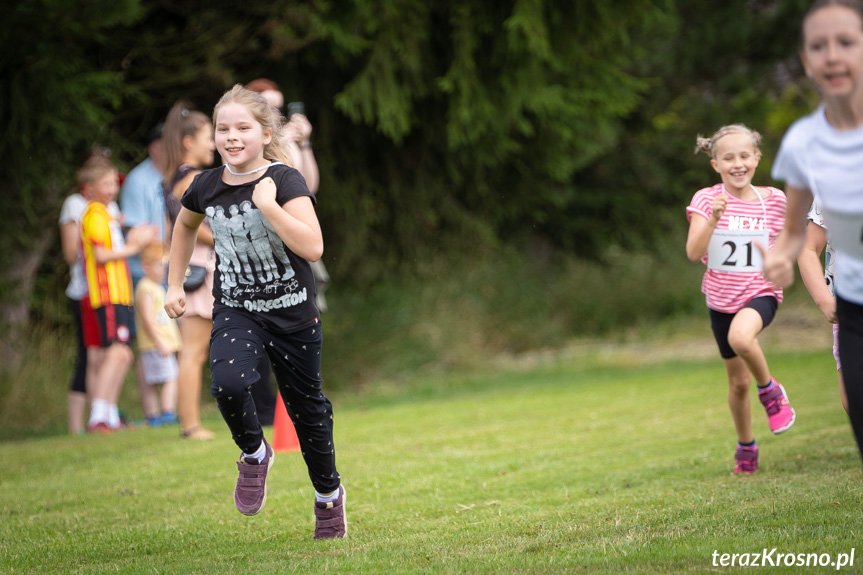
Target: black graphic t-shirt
(255,270)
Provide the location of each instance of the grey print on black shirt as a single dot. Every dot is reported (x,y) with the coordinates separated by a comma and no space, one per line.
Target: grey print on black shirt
(254,268)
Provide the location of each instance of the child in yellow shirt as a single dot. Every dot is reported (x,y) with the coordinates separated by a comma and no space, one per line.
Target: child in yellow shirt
(158,340)
(107,322)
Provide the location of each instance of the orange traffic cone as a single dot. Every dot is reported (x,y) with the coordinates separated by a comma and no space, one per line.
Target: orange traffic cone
(284,435)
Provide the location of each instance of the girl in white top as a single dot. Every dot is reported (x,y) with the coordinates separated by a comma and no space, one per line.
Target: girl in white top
(819,280)
(726,222)
(823,154)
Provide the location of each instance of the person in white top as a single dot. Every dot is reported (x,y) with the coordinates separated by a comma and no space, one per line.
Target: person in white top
(70,215)
(726,221)
(822,154)
(819,281)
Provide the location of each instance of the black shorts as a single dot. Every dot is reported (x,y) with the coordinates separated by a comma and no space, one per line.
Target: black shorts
(721,322)
(114,321)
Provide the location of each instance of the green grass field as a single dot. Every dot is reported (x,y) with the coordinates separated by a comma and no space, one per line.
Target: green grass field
(577,465)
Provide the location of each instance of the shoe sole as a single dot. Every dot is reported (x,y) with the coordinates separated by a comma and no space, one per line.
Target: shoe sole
(264,500)
(793,414)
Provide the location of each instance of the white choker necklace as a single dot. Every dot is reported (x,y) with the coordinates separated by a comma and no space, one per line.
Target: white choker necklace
(255,171)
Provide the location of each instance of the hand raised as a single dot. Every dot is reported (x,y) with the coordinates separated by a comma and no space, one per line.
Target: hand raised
(720,202)
(298,128)
(264,193)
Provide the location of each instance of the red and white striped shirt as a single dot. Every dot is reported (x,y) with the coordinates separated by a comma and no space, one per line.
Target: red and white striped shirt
(729,291)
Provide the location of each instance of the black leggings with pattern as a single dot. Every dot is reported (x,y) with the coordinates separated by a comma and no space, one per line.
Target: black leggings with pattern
(238,346)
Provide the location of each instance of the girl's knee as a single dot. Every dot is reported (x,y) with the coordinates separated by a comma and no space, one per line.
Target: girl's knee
(741,342)
(739,385)
(227,387)
(229,379)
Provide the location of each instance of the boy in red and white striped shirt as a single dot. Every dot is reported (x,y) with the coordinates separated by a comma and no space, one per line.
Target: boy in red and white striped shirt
(727,224)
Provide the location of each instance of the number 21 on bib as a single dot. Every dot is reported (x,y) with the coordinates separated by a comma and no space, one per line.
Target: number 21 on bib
(735,251)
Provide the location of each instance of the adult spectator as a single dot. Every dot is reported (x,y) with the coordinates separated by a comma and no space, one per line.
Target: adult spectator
(189,146)
(143,202)
(296,141)
(141,197)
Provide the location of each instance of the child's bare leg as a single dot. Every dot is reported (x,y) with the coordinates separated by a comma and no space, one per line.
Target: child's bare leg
(739,381)
(743,339)
(149,396)
(96,388)
(169,396)
(118,360)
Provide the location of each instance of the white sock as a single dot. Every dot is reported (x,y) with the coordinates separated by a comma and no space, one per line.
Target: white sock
(98,411)
(259,454)
(327,498)
(113,415)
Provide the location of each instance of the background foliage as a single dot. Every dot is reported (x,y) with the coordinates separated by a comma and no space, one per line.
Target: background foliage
(448,133)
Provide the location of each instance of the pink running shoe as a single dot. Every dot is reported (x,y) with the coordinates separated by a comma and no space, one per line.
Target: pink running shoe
(746,460)
(779,412)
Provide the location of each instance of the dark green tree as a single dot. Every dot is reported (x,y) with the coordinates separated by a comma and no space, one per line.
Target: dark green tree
(56,100)
(442,129)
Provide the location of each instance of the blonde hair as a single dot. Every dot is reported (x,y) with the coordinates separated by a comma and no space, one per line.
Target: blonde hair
(94,168)
(708,145)
(152,253)
(182,121)
(268,117)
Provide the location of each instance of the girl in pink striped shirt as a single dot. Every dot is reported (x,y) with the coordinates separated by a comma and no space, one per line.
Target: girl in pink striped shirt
(727,223)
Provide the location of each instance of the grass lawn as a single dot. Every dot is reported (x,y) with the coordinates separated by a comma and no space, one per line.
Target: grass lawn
(573,466)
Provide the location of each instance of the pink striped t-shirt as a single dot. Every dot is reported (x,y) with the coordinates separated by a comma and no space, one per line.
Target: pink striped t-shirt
(727,291)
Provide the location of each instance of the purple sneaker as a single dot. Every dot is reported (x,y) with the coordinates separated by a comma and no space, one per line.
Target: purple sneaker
(250,494)
(746,460)
(330,519)
(779,413)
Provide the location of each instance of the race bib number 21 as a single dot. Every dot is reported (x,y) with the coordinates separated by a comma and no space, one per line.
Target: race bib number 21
(735,251)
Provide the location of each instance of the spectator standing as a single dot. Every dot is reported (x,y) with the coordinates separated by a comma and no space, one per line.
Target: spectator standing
(141,198)
(296,141)
(143,203)
(109,285)
(188,145)
(87,359)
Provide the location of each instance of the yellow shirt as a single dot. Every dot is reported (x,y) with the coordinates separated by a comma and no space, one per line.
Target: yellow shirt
(109,283)
(165,326)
